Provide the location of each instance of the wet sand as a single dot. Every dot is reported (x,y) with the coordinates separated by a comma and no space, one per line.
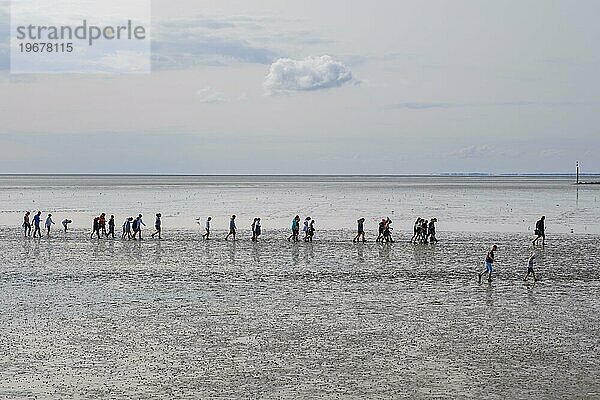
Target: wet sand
(182,318)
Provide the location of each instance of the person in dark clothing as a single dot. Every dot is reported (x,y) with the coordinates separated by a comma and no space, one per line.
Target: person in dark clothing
(424,227)
(96,228)
(416,230)
(37,220)
(257,229)
(137,227)
(232,228)
(540,231)
(111,226)
(387,231)
(361,231)
(295,229)
(311,231)
(381,230)
(102,223)
(157,225)
(431,231)
(27,224)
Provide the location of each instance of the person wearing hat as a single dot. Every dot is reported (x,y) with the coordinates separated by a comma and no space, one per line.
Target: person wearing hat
(157,225)
(489,263)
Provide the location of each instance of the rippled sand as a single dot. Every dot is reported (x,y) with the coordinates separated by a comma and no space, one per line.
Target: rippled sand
(182,318)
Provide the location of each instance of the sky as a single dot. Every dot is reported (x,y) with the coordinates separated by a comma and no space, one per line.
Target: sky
(323,87)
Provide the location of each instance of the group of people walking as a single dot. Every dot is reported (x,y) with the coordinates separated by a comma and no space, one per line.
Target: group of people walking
(424,231)
(308,229)
(36,221)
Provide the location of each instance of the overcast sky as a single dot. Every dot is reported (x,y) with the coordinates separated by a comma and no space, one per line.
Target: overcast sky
(322,86)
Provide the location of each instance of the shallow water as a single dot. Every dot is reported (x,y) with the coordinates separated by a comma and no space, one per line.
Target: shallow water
(182,318)
(472,204)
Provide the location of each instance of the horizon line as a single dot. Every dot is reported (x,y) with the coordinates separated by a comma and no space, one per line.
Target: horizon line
(441,174)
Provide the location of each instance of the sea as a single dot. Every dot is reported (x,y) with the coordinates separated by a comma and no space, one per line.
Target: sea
(185,318)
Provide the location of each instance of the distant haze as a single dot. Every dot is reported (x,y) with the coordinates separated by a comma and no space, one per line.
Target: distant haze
(324,87)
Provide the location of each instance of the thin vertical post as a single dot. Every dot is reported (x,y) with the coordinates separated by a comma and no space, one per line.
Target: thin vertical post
(577,172)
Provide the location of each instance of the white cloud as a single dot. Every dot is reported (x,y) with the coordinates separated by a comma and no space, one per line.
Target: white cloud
(312,73)
(479,151)
(211,96)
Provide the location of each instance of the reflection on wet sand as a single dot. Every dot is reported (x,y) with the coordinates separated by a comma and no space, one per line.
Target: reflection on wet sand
(186,318)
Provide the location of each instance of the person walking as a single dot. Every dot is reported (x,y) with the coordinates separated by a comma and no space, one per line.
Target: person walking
(295,229)
(49,224)
(37,220)
(207,229)
(27,224)
(431,231)
(96,228)
(232,228)
(416,229)
(306,227)
(253,230)
(387,231)
(137,227)
(257,229)
(381,230)
(111,226)
(530,265)
(102,224)
(360,231)
(540,231)
(311,230)
(127,228)
(490,258)
(157,225)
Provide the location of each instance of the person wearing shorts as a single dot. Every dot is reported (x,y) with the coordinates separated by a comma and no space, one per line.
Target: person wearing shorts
(489,263)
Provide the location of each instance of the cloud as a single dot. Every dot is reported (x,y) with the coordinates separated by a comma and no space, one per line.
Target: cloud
(211,96)
(479,151)
(220,41)
(312,73)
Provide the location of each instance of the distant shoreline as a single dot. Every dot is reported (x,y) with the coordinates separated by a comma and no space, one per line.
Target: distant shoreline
(440,175)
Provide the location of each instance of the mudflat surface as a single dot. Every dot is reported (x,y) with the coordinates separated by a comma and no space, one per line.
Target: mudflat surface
(183,318)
